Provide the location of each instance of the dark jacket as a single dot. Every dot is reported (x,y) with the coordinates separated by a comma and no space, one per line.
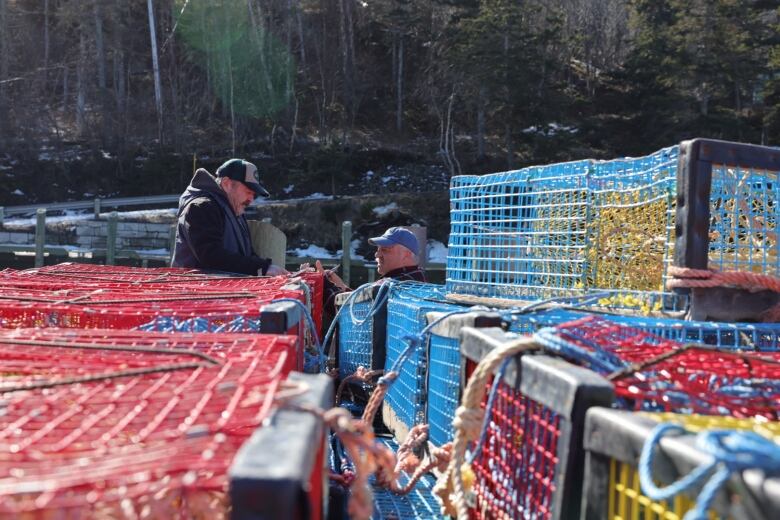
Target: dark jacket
(414,273)
(209,235)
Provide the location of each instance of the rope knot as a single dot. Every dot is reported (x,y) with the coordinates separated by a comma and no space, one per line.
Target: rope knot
(469,420)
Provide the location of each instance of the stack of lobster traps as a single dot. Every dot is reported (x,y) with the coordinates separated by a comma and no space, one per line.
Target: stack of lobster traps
(605,345)
(143,393)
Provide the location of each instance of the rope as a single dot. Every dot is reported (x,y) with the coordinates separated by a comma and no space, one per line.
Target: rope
(684,277)
(362,374)
(730,450)
(312,329)
(468,425)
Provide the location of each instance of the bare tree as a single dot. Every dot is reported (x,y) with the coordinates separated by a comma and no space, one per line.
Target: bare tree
(156,68)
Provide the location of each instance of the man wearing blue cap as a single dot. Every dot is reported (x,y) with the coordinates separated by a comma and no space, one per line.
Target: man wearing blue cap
(212,231)
(396,258)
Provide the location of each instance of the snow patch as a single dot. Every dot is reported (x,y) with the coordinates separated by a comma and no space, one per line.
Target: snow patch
(437,252)
(288,189)
(312,252)
(17,191)
(381,211)
(317,196)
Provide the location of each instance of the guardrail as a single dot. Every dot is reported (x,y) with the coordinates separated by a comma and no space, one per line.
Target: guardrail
(40,250)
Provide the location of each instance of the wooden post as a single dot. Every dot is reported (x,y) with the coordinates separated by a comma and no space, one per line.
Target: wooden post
(2,216)
(97,207)
(346,244)
(171,242)
(40,235)
(111,238)
(371,268)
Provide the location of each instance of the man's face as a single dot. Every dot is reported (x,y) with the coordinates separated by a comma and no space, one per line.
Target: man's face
(238,194)
(389,258)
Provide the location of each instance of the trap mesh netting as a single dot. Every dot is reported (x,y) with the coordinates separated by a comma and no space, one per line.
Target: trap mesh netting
(96,296)
(656,374)
(129,424)
(556,230)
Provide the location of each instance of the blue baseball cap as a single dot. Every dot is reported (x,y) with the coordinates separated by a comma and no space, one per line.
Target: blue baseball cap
(396,236)
(243,171)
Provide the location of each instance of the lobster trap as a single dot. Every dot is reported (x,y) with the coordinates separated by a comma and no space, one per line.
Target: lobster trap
(419,503)
(528,463)
(563,229)
(281,471)
(727,206)
(613,442)
(125,423)
(362,329)
(73,296)
(651,373)
(407,351)
(763,337)
(444,375)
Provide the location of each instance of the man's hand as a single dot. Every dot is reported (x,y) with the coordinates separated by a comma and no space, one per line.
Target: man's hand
(274,270)
(331,275)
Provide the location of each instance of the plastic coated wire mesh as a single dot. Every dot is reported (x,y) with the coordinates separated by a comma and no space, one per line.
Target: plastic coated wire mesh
(696,423)
(563,228)
(420,503)
(626,500)
(355,334)
(734,336)
(516,464)
(743,220)
(443,387)
(120,423)
(655,374)
(89,296)
(407,307)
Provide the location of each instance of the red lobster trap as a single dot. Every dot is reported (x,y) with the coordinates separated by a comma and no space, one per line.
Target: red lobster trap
(96,296)
(654,374)
(129,424)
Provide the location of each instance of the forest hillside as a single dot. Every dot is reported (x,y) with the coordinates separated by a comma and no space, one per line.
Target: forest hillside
(117,97)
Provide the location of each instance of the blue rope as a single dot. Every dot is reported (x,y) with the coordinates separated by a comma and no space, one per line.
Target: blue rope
(598,359)
(491,397)
(310,322)
(730,450)
(350,299)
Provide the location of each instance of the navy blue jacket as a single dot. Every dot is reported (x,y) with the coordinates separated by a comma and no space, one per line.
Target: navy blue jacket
(209,235)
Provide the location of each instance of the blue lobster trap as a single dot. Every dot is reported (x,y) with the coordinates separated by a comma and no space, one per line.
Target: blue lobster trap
(420,503)
(562,229)
(445,371)
(362,326)
(408,304)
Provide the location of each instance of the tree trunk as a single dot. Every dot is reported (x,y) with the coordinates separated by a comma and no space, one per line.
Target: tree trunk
(46,43)
(81,85)
(5,52)
(156,70)
(481,122)
(347,56)
(101,54)
(399,107)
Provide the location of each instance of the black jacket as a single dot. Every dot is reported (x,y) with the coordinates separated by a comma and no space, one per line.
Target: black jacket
(209,235)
